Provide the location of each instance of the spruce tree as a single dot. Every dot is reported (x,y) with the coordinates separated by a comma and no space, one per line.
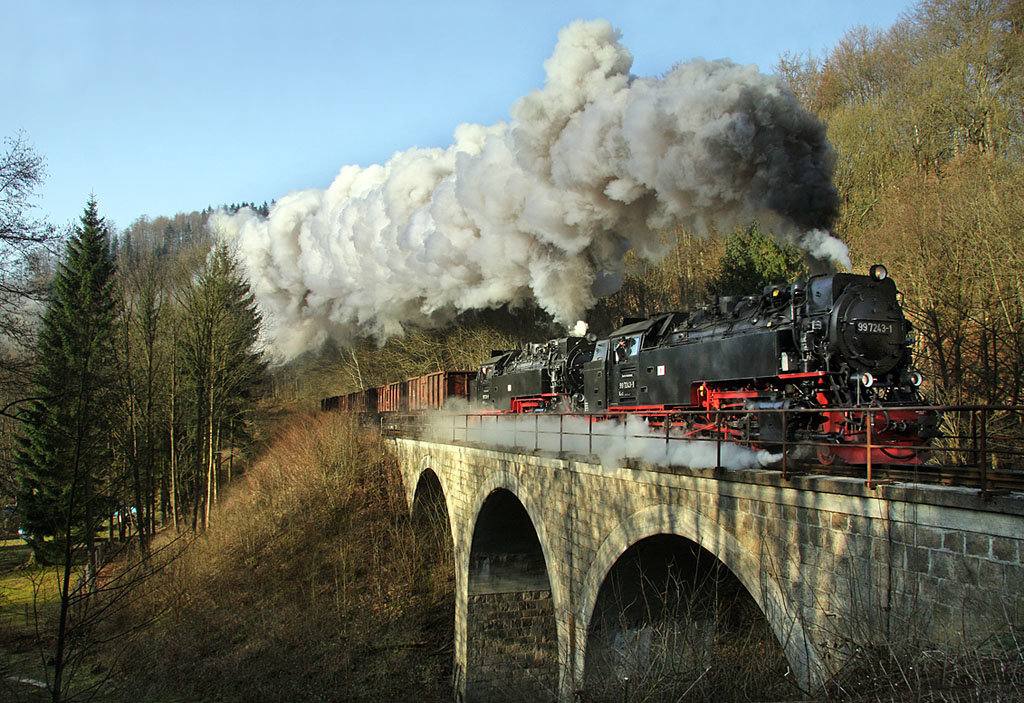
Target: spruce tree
(63,457)
(753,260)
(222,367)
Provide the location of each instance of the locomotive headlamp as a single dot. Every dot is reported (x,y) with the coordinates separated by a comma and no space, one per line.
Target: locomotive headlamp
(879,272)
(865,379)
(915,378)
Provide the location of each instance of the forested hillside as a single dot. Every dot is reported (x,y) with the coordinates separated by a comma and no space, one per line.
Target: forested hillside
(927,119)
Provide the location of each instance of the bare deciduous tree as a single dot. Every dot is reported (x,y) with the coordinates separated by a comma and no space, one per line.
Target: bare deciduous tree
(24,239)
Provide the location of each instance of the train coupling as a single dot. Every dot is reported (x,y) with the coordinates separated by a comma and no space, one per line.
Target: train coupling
(928,426)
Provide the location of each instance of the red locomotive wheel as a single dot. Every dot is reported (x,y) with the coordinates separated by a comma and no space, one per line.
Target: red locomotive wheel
(826,457)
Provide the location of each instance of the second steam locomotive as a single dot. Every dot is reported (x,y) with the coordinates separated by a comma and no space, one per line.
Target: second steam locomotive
(825,361)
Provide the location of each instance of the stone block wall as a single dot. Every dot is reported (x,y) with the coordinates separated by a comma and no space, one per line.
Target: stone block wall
(512,647)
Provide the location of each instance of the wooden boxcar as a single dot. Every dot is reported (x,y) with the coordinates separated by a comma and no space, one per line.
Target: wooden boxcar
(332,403)
(355,402)
(432,390)
(394,397)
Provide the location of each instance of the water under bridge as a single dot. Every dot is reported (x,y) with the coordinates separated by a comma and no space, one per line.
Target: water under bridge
(554,548)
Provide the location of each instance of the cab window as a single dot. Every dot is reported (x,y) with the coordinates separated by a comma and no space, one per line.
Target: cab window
(626,348)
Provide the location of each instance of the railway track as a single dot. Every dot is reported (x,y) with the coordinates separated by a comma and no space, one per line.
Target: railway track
(988,480)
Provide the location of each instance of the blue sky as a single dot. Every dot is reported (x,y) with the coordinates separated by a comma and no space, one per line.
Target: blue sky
(170,107)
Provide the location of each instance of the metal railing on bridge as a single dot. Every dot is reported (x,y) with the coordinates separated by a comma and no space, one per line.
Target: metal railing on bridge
(978,446)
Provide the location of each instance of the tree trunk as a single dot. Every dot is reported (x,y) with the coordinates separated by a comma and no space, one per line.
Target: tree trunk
(209,438)
(173,469)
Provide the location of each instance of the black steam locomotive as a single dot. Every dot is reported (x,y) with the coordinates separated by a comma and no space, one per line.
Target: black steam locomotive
(824,349)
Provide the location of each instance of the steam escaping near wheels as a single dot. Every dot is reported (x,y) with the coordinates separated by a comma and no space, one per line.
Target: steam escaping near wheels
(612,441)
(542,207)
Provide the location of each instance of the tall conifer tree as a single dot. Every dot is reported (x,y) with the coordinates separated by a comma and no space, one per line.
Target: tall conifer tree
(64,454)
(222,367)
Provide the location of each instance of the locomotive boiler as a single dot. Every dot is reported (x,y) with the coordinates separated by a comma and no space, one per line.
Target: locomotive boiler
(815,361)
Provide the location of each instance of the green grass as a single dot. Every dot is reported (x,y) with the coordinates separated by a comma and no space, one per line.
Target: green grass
(24,588)
(21,581)
(29,602)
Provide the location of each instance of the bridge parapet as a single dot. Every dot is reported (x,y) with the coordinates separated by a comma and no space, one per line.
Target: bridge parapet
(827,559)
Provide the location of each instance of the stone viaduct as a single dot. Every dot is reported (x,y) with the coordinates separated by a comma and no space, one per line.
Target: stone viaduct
(540,537)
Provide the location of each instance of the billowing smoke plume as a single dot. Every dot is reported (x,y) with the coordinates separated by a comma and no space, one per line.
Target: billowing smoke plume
(545,206)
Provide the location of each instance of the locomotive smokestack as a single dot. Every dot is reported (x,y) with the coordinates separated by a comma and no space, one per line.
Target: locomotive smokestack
(544,206)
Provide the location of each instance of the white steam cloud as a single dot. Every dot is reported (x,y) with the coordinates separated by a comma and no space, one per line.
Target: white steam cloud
(544,206)
(612,441)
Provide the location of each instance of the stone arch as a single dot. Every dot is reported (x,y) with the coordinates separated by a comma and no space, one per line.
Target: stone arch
(414,483)
(511,635)
(429,496)
(415,495)
(430,513)
(667,519)
(411,479)
(510,482)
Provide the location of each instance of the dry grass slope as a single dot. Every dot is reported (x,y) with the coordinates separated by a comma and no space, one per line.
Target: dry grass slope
(310,585)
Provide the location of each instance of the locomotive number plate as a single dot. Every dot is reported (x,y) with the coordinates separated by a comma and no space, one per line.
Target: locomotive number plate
(876,327)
